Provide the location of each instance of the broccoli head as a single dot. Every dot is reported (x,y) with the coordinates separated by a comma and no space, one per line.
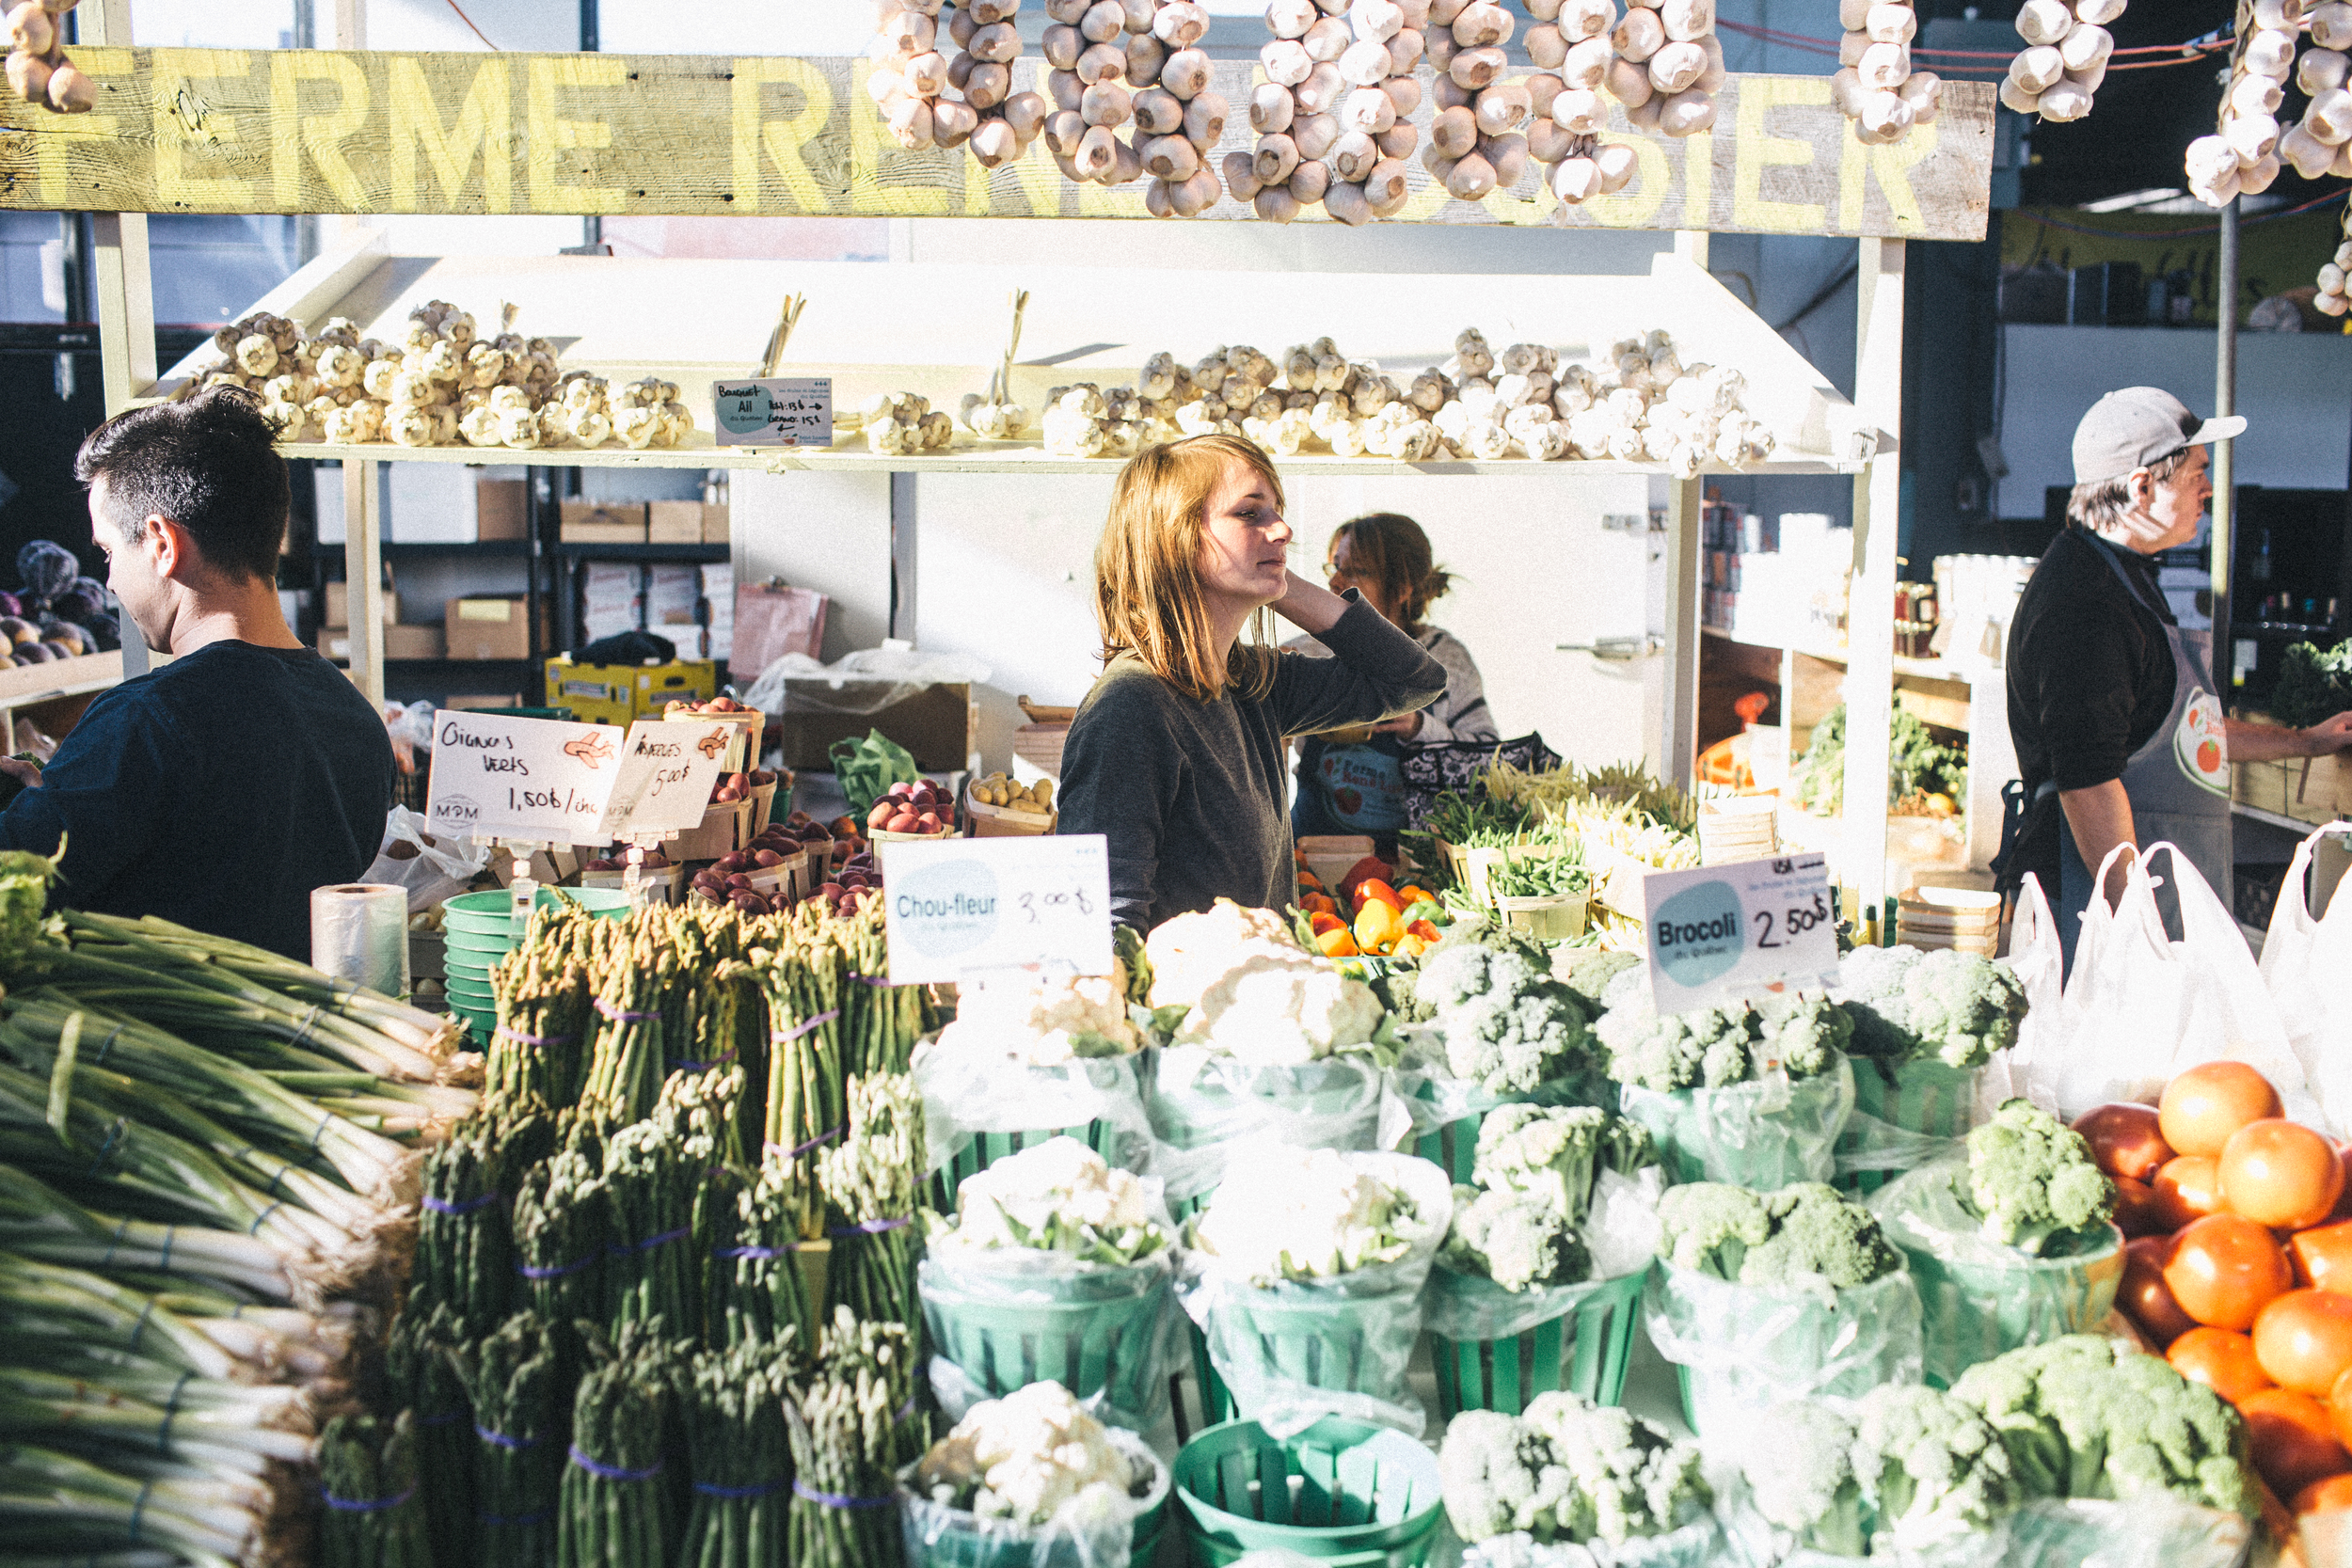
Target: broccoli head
(1632,1479)
(1508,1024)
(1802,1033)
(1818,1231)
(1520,1242)
(1554,1153)
(1708,1227)
(1931,1466)
(1588,971)
(2088,1416)
(1798,1465)
(1710,1046)
(1943,1005)
(2032,1179)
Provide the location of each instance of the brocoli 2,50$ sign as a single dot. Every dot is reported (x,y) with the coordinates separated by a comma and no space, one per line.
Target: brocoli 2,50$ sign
(1719,933)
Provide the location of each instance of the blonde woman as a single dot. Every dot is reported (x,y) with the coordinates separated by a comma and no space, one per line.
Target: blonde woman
(1176,756)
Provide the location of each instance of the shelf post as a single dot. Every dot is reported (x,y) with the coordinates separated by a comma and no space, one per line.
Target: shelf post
(1877,537)
(2222,552)
(1679,712)
(125,293)
(363,577)
(903,534)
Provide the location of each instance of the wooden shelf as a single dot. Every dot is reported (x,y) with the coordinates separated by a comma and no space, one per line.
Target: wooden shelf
(482,549)
(1924,669)
(645,552)
(2271,819)
(28,684)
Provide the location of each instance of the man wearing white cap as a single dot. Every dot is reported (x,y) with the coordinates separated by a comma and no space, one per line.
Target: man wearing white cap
(2112,705)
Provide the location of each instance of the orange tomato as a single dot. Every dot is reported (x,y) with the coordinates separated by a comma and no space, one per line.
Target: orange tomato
(1338,943)
(2188,1188)
(2222,1361)
(1373,887)
(2343,1199)
(2280,1174)
(1322,923)
(2225,1269)
(2340,1403)
(2293,1440)
(2202,1106)
(2304,1341)
(2124,1139)
(2143,1296)
(2322,1255)
(2330,1496)
(2139,1211)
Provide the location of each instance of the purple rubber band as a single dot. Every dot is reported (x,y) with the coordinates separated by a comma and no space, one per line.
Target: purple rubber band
(556,1271)
(503,1031)
(871,1227)
(732,1493)
(503,1441)
(471,1205)
(825,1138)
(537,1516)
(701,1067)
(836,1500)
(346,1505)
(785,1036)
(758,1254)
(649,1244)
(869,980)
(611,1472)
(606,1010)
(451,1419)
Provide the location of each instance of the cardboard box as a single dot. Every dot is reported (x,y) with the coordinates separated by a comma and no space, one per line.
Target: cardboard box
(502,508)
(603,522)
(674,522)
(715,528)
(488,628)
(934,724)
(484,698)
(339,605)
(616,693)
(415,642)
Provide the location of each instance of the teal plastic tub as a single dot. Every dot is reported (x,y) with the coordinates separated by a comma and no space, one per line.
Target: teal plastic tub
(1584,1351)
(986,1149)
(1339,1489)
(491,912)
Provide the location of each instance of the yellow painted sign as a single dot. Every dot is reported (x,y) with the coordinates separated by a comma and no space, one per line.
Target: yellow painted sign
(316,131)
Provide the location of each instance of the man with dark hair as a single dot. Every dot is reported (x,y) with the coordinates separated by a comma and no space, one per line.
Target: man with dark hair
(219,789)
(2120,737)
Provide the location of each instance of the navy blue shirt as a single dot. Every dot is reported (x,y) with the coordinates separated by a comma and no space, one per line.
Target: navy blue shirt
(217,792)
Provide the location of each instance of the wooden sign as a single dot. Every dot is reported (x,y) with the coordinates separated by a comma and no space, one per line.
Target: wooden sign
(319,131)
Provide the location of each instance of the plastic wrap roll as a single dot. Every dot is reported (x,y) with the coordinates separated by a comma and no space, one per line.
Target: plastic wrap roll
(360,932)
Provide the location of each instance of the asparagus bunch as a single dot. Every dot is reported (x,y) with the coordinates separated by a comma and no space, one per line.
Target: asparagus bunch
(521,1423)
(651,1271)
(560,1232)
(539,1054)
(368,1481)
(757,1293)
(742,1459)
(617,1507)
(870,1184)
(465,1242)
(421,1362)
(849,1442)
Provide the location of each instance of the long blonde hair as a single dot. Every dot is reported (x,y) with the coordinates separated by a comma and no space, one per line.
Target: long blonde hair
(1148,599)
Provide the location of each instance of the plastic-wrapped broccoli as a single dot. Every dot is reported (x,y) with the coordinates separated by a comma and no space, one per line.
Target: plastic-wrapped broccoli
(1805,1230)
(1906,1470)
(1909,1004)
(1567,1470)
(1800,1035)
(1517,1243)
(2033,1179)
(1554,1153)
(1508,1025)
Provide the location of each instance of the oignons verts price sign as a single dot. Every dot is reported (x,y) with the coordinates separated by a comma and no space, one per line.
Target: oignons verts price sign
(1718,933)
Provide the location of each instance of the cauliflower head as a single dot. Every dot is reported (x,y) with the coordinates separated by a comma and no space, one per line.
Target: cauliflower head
(1281,1009)
(1518,1241)
(1024,1458)
(1300,1213)
(1059,1197)
(1189,952)
(1567,1470)
(1049,1019)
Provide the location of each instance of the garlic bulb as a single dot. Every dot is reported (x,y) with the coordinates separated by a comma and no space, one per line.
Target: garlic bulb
(1333,117)
(2065,59)
(2252,144)
(1877,85)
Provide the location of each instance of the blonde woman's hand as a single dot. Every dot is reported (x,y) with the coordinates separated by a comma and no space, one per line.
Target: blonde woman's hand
(1309,605)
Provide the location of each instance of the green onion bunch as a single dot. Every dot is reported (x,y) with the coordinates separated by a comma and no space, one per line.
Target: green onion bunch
(421,1363)
(742,1459)
(870,1184)
(849,1438)
(522,1422)
(757,1291)
(58,1507)
(39,1222)
(374,1516)
(652,1273)
(618,1506)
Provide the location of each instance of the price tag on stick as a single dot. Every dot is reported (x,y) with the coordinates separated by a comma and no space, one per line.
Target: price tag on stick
(967,908)
(1721,933)
(783,411)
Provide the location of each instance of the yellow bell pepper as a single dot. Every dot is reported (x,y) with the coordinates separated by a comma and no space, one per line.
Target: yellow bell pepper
(1337,943)
(1410,947)
(1377,925)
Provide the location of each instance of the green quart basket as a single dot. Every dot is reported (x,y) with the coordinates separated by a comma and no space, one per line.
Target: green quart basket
(986,1149)
(1971,1313)
(1339,1489)
(1308,1342)
(1086,1344)
(1926,1097)
(1584,1351)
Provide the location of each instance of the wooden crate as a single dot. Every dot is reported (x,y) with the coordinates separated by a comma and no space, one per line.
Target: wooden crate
(2260,785)
(2318,790)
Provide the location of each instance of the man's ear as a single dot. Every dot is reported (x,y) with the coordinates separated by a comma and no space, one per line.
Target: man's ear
(168,544)
(2143,489)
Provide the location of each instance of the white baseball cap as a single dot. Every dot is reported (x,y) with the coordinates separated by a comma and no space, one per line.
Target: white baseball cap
(2139,426)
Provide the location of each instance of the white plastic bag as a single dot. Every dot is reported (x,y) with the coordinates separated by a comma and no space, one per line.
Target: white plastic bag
(1742,1349)
(1294,1352)
(976,1088)
(2140,1007)
(1699,1544)
(2304,964)
(2039,961)
(1762,1134)
(1203,1105)
(429,870)
(1095,1529)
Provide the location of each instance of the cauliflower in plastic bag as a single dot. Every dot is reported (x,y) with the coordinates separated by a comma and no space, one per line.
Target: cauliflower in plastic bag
(1059,1197)
(1023,1458)
(1049,1019)
(1300,1213)
(1190,952)
(1278,1010)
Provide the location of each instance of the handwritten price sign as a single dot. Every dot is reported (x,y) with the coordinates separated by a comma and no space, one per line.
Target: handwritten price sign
(789,411)
(543,782)
(1719,933)
(971,906)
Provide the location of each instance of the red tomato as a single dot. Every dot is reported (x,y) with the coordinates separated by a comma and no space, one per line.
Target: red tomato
(2143,1296)
(2343,1200)
(2139,1210)
(2222,1361)
(1373,887)
(2202,1106)
(2188,1189)
(2304,1341)
(1321,922)
(2125,1140)
(2293,1440)
(2280,1174)
(2225,1269)
(2332,1496)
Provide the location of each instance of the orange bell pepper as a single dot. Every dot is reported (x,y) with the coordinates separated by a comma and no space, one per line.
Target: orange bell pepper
(1373,887)
(1413,893)
(1325,922)
(1377,925)
(1425,930)
(1319,903)
(1337,943)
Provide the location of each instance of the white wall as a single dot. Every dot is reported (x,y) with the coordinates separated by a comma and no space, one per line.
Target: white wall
(2294,387)
(826,531)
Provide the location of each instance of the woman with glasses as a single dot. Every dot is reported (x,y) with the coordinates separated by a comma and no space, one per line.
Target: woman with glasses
(1176,756)
(1349,780)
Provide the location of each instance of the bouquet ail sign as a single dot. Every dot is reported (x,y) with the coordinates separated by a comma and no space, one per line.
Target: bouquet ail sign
(543,782)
